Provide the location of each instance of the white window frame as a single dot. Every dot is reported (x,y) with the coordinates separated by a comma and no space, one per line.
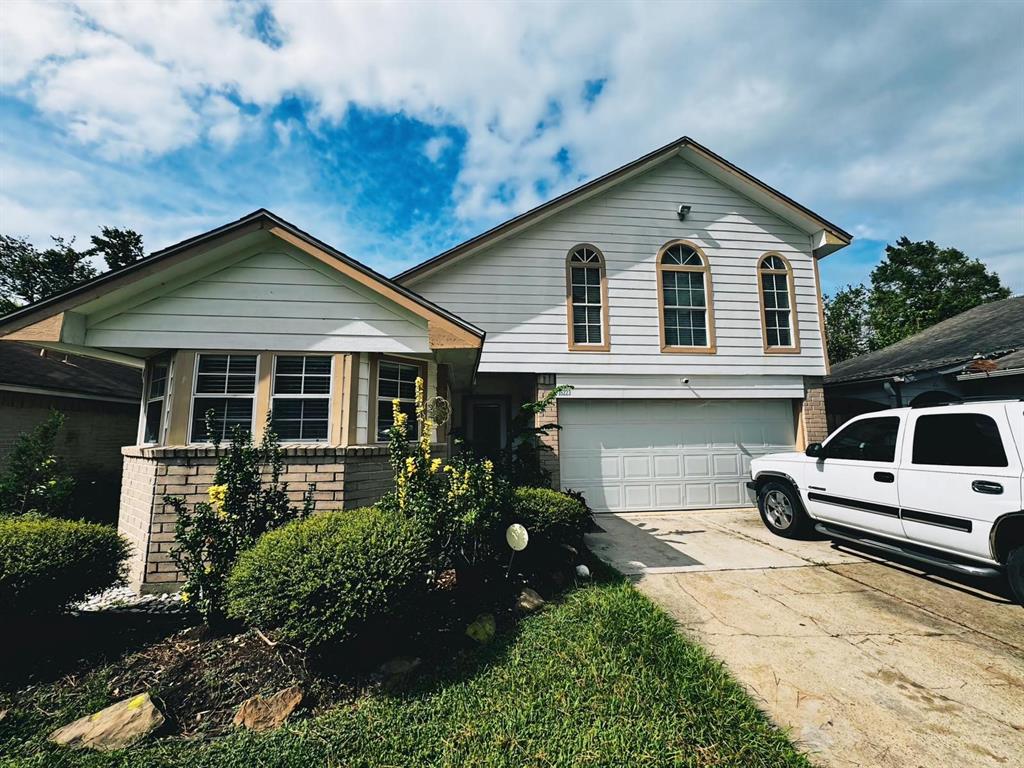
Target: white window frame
(422,369)
(329,396)
(146,400)
(786,273)
(195,383)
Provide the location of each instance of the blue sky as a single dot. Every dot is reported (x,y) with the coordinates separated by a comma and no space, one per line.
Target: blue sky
(396,130)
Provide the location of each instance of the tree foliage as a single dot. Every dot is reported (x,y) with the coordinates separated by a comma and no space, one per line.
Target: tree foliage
(917,285)
(34,479)
(29,274)
(118,247)
(846,321)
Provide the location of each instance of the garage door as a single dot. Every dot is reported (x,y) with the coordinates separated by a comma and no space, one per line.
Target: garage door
(635,455)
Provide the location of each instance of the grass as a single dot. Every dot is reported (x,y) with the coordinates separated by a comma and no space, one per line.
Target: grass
(600,679)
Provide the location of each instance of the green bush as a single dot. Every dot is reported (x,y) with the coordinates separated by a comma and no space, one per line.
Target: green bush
(46,563)
(326,577)
(34,479)
(550,516)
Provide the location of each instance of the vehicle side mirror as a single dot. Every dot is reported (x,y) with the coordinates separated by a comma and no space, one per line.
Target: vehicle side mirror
(815,450)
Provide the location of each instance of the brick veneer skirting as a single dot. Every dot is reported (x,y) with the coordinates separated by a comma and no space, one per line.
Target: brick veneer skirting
(343,478)
(815,423)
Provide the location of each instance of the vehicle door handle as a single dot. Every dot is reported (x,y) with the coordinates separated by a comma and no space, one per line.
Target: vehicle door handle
(885,477)
(984,486)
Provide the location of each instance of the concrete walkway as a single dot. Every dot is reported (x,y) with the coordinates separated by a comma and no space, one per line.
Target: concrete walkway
(866,662)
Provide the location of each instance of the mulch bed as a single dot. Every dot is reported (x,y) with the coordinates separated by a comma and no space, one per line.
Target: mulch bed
(199,681)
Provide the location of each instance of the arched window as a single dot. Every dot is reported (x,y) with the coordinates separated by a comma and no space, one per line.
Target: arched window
(778,318)
(587,300)
(684,300)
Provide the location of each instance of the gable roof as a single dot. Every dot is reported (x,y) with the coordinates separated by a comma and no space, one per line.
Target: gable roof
(44,311)
(25,367)
(834,238)
(990,331)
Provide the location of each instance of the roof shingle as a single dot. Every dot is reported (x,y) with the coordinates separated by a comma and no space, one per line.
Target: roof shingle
(986,330)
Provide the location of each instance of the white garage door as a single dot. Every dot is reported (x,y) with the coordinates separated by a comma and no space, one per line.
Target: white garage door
(635,455)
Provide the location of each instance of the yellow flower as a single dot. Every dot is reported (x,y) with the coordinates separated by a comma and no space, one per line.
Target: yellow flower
(435,465)
(401,418)
(410,465)
(448,467)
(488,466)
(184,596)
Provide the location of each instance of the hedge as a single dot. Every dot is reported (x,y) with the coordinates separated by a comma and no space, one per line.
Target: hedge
(550,516)
(47,563)
(324,578)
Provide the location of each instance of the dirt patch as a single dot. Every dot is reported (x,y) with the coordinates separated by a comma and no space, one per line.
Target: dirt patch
(199,681)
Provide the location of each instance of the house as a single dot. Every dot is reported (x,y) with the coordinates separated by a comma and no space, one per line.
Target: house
(100,403)
(978,353)
(678,295)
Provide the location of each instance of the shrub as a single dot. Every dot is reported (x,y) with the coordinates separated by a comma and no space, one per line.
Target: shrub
(46,563)
(241,507)
(325,578)
(550,516)
(34,478)
(521,461)
(460,504)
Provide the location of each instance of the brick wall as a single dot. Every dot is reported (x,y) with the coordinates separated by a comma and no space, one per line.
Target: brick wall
(343,478)
(813,411)
(549,459)
(90,443)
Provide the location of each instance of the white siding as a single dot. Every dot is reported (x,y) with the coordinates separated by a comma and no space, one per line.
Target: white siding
(596,385)
(270,300)
(363,402)
(516,289)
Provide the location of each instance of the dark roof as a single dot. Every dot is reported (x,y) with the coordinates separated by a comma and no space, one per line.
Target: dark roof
(23,365)
(258,219)
(990,330)
(665,151)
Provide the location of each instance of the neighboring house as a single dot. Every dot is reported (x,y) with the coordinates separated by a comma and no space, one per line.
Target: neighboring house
(678,295)
(100,403)
(978,353)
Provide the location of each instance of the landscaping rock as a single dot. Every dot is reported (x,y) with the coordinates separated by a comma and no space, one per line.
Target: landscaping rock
(582,572)
(482,629)
(528,601)
(394,673)
(115,727)
(261,713)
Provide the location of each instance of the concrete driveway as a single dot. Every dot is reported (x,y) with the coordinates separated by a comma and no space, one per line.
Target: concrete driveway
(866,662)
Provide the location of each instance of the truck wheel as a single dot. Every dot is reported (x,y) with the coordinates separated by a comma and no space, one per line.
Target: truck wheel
(781,510)
(1015,573)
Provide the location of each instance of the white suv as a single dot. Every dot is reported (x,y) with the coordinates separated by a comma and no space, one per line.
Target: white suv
(941,485)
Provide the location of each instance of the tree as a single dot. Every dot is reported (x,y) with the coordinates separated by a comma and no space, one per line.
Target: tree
(19,273)
(846,323)
(118,247)
(28,274)
(919,284)
(34,479)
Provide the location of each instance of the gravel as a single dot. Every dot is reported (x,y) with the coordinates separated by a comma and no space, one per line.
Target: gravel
(124,599)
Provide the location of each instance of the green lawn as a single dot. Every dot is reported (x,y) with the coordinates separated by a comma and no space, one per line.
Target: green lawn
(600,679)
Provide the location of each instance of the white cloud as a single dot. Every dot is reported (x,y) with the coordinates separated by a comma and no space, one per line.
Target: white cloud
(436,146)
(912,109)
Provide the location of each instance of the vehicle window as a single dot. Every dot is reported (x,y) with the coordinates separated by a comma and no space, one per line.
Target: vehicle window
(867,440)
(958,439)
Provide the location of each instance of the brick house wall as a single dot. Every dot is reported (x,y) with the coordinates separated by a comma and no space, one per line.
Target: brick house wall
(813,411)
(90,443)
(343,478)
(549,459)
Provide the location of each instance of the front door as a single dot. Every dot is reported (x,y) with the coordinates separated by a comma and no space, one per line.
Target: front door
(486,426)
(960,472)
(854,482)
